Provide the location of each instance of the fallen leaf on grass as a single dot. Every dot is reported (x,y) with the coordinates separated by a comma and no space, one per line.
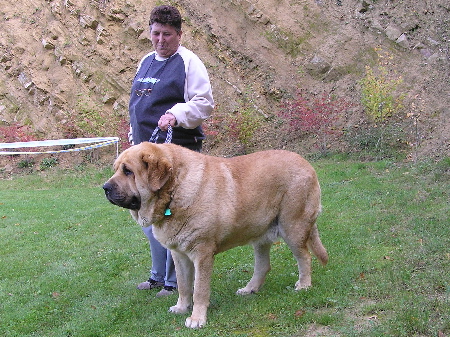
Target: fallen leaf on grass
(299,313)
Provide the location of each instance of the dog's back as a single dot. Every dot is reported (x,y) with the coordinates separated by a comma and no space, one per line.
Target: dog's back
(240,198)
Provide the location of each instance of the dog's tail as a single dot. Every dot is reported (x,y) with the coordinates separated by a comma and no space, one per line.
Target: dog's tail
(316,246)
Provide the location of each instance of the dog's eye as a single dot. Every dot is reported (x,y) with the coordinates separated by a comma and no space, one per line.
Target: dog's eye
(127,171)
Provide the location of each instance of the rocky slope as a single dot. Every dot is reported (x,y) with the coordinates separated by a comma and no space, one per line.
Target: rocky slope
(65,61)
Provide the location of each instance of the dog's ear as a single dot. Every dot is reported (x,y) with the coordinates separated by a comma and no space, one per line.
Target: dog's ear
(158,168)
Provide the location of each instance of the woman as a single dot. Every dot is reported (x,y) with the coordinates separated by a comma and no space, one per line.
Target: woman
(171,88)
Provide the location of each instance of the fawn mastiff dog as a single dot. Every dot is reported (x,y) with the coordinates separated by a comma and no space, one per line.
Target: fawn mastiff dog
(201,205)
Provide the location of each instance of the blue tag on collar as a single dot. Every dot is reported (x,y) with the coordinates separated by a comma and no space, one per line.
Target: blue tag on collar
(168,212)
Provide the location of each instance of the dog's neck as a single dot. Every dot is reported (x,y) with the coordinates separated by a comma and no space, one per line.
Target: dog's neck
(161,203)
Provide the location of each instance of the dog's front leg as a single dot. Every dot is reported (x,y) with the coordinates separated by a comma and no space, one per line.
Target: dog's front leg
(203,263)
(185,282)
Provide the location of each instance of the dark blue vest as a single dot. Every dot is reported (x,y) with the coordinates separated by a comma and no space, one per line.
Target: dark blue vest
(158,86)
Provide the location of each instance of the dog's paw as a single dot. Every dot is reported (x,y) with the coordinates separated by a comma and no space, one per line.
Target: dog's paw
(178,310)
(301,286)
(195,323)
(245,291)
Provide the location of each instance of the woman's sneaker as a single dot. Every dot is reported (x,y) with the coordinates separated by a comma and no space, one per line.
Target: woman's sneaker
(150,284)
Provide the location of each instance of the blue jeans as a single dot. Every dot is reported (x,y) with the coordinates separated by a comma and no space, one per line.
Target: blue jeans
(163,268)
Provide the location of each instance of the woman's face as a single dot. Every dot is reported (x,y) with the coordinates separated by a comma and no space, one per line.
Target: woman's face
(165,39)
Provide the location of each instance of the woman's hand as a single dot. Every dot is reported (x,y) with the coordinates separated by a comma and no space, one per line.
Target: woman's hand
(166,120)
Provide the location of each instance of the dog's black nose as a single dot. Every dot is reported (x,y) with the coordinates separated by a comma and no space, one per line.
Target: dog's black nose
(107,187)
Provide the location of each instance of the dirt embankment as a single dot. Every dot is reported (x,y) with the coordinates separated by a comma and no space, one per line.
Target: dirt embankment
(62,60)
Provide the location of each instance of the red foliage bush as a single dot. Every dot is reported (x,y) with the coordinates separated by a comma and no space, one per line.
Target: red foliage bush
(309,114)
(314,115)
(15,133)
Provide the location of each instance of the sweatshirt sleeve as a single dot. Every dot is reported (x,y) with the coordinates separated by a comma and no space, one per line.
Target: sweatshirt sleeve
(199,102)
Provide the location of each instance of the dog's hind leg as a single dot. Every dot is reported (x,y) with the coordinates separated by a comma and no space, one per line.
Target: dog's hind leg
(303,258)
(297,242)
(261,268)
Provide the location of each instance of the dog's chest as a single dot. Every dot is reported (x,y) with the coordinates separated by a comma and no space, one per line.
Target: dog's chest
(169,234)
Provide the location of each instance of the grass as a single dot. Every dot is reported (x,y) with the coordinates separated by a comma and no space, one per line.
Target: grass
(70,261)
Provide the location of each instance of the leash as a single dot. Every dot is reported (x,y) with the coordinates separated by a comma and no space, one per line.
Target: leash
(155,135)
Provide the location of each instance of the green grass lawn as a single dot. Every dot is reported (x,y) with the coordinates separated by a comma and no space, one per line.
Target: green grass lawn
(70,261)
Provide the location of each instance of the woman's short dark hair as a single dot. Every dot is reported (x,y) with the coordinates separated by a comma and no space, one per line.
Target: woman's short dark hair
(166,15)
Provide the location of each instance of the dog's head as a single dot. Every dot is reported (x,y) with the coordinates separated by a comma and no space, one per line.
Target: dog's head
(140,172)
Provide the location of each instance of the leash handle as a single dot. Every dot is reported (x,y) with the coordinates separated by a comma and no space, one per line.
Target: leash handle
(155,135)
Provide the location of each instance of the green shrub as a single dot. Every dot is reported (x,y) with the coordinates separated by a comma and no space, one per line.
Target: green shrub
(48,163)
(26,163)
(378,91)
(243,126)
(378,96)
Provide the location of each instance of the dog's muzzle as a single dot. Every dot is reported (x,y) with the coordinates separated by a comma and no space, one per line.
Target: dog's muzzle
(118,199)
